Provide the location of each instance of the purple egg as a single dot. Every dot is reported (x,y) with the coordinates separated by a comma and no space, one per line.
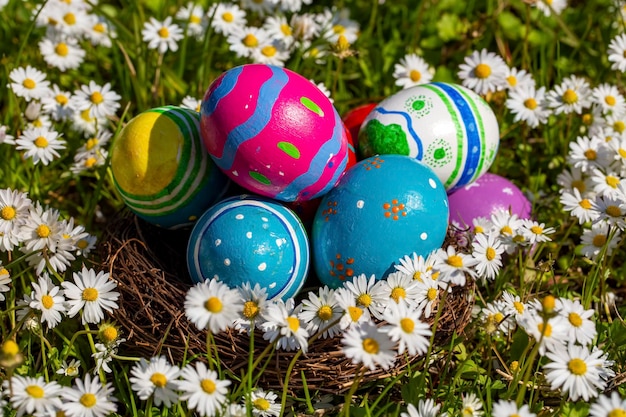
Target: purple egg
(488,194)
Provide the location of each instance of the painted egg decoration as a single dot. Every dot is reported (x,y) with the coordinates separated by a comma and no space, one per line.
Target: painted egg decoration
(383,208)
(354,118)
(447,126)
(161,169)
(274,132)
(250,239)
(487,195)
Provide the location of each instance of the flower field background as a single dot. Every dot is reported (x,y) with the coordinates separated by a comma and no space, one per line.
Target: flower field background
(546,335)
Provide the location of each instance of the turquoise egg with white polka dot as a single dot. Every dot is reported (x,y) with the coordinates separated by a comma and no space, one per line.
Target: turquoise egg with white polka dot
(249,239)
(383,208)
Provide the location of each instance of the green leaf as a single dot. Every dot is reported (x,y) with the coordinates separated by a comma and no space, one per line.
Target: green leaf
(577,409)
(450,27)
(511,25)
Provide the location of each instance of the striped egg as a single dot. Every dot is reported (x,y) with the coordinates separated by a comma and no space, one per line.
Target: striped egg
(447,126)
(162,170)
(273,132)
(249,239)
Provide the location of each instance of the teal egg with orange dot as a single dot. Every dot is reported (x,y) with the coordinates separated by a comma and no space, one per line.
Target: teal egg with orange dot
(447,126)
(273,132)
(161,169)
(383,208)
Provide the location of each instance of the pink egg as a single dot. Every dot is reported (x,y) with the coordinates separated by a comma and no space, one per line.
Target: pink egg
(488,194)
(273,132)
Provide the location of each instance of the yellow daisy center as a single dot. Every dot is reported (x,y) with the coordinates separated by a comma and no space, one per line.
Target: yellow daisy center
(29,83)
(86,116)
(482,71)
(47,301)
(61,99)
(90,294)
(96,97)
(577,366)
(617,412)
(547,303)
(579,185)
(407,325)
(398,293)
(415,75)
(591,154)
(619,126)
(250,40)
(613,211)
(610,100)
(587,119)
(585,203)
(158,379)
(622,152)
(355,313)
(196,20)
(88,400)
(35,391)
(479,229)
(61,49)
(90,162)
(370,345)
(537,230)
(285,29)
(506,230)
(364,299)
(82,244)
(418,276)
(91,143)
(519,307)
(455,261)
(293,323)
(250,309)
(43,231)
(612,181)
(164,32)
(41,142)
(490,254)
(10,348)
(570,96)
(498,317)
(208,386)
(109,334)
(575,319)
(545,330)
(339,29)
(325,312)
(8,213)
(213,305)
(3,271)
(599,240)
(530,103)
(99,27)
(261,404)
(268,51)
(432,293)
(228,17)
(70,19)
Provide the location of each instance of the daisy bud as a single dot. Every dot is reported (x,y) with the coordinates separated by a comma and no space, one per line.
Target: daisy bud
(548,303)
(10,355)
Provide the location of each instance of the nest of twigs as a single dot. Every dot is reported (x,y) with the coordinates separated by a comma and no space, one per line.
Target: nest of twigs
(149,265)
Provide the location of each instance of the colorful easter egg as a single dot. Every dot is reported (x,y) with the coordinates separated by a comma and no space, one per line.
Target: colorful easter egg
(382,209)
(488,194)
(250,239)
(161,169)
(447,126)
(274,132)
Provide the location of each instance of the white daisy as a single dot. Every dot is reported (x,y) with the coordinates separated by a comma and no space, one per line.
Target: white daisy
(397,287)
(415,266)
(254,304)
(69,369)
(100,100)
(527,105)
(202,389)
(227,18)
(321,312)
(14,209)
(85,245)
(605,184)
(305,27)
(504,408)
(571,96)
(550,6)
(487,251)
(609,98)
(264,403)
(513,305)
(29,83)
(495,318)
(369,345)
(454,265)
(42,229)
(58,104)
(157,379)
(283,326)
(578,206)
(353,312)
(516,78)
(615,124)
(70,19)
(100,31)
(92,293)
(424,408)
(608,406)
(588,153)
(611,211)
(427,297)
(293,6)
(88,397)
(95,144)
(104,356)
(366,293)
(548,332)
(30,395)
(191,103)
(471,406)
(212,305)
(279,30)
(195,19)
(245,41)
(49,299)
(571,178)
(535,232)
(596,239)
(5,280)
(578,320)
(40,144)
(62,52)
(83,122)
(406,328)
(262,7)
(270,53)
(412,70)
(575,370)
(617,52)
(162,36)
(5,137)
(336,23)
(483,72)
